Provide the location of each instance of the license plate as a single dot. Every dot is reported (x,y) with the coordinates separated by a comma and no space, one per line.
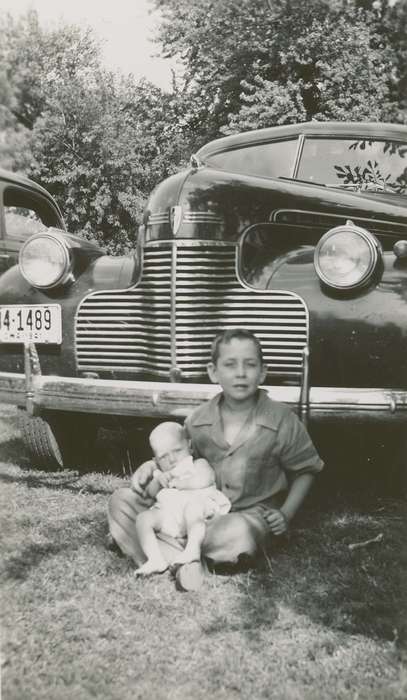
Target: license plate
(31,324)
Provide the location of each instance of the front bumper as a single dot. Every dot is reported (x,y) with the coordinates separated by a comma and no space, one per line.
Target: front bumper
(38,393)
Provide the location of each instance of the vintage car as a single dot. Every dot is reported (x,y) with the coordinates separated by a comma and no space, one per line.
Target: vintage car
(296,232)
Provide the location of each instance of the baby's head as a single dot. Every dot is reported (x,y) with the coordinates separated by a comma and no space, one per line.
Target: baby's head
(169,445)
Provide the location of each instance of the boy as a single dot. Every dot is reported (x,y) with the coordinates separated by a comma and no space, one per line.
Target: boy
(262,455)
(185,499)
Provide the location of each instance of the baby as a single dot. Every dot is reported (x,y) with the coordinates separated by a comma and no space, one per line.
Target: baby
(185,498)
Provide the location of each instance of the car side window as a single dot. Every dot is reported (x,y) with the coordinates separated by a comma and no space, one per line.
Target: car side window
(26,213)
(274,159)
(21,222)
(355,163)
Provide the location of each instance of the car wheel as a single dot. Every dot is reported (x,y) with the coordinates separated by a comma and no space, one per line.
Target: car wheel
(59,441)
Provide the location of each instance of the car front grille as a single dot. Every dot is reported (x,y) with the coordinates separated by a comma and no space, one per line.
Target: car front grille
(163,326)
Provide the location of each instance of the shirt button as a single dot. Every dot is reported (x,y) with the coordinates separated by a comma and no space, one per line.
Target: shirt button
(227,486)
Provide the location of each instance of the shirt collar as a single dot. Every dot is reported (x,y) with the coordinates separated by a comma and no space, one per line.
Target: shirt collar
(207,414)
(265,413)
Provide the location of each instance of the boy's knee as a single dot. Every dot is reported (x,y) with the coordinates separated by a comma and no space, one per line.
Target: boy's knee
(119,496)
(125,496)
(230,536)
(123,508)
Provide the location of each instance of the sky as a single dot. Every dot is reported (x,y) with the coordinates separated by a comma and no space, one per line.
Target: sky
(125,28)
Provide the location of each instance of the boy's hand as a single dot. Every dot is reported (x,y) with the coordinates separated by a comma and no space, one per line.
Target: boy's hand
(277,521)
(142,477)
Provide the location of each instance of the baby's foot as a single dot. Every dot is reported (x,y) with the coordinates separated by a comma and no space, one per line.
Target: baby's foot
(152,566)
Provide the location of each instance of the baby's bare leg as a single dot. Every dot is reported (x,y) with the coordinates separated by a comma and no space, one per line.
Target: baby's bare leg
(196,529)
(147,524)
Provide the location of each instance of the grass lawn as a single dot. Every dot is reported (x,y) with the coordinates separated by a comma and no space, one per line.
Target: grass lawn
(317,620)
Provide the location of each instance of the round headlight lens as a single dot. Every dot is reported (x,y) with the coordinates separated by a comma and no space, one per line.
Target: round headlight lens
(45,260)
(346,257)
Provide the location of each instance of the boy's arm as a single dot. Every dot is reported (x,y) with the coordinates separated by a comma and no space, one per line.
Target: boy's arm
(279,519)
(142,476)
(301,462)
(296,494)
(201,477)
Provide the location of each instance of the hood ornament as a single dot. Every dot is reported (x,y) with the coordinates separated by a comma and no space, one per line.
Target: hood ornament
(175,218)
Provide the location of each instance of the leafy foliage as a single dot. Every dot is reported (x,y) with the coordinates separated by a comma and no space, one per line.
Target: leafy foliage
(100,142)
(97,141)
(373,175)
(101,156)
(250,63)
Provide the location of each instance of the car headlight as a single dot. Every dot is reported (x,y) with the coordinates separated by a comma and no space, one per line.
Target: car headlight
(46,260)
(346,257)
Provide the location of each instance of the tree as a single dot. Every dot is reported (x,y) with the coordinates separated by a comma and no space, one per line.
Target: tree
(338,70)
(218,45)
(97,141)
(101,142)
(102,153)
(36,60)
(252,63)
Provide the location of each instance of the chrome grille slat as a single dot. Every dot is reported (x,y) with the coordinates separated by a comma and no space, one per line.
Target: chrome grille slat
(123,356)
(133,330)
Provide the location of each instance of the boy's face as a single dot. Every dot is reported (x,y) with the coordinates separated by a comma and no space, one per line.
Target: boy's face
(238,369)
(170,450)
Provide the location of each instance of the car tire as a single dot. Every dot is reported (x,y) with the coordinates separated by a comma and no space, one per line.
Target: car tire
(58,441)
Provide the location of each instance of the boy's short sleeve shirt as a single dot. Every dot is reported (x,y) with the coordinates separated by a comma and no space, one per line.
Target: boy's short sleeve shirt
(257,466)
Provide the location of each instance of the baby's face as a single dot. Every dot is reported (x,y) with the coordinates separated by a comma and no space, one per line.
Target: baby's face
(170,450)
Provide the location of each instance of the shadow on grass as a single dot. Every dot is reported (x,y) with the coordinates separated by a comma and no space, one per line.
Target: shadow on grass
(62,538)
(361,459)
(13,450)
(56,481)
(314,572)
(110,454)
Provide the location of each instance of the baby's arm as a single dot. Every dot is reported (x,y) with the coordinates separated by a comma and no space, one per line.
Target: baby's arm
(153,488)
(160,480)
(201,477)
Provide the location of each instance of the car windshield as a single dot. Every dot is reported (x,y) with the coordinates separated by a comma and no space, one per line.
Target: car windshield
(372,165)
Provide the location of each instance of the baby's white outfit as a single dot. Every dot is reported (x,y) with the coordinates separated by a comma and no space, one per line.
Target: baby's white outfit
(172,501)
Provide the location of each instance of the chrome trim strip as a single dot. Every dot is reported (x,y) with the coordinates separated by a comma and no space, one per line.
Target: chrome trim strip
(161,217)
(186,242)
(191,217)
(173,287)
(274,218)
(197,218)
(298,155)
(118,397)
(190,214)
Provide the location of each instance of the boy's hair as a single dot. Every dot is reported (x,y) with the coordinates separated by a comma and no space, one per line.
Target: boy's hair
(167,426)
(231,334)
